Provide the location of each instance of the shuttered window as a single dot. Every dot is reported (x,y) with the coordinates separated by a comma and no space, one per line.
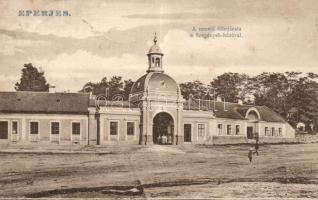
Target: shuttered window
(55,128)
(34,127)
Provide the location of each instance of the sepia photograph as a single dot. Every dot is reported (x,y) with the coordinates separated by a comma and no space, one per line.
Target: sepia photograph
(158,99)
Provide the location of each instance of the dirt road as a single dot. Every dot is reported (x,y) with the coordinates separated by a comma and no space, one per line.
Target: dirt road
(163,171)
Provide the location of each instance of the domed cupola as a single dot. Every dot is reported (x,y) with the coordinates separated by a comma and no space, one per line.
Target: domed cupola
(155,57)
(155,83)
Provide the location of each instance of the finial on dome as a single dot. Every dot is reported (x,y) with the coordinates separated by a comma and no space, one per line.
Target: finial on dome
(155,38)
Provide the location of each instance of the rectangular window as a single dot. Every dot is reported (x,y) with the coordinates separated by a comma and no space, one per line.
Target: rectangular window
(55,128)
(237,129)
(4,129)
(201,129)
(273,131)
(267,131)
(76,128)
(280,131)
(113,128)
(220,129)
(14,128)
(130,128)
(34,127)
(228,129)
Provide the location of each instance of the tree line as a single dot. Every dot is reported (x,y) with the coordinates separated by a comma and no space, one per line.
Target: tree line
(281,92)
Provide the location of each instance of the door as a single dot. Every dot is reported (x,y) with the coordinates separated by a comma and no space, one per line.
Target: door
(3,130)
(249,132)
(187,132)
(163,129)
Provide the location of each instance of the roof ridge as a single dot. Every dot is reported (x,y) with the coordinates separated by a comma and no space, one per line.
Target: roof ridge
(278,115)
(43,92)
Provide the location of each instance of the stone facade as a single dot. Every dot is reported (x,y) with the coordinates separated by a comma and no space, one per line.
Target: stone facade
(156,113)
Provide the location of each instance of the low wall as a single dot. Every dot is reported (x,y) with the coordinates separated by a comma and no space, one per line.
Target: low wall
(276,140)
(306,138)
(229,140)
(244,140)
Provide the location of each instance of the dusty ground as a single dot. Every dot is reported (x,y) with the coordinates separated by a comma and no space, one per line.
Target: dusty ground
(161,171)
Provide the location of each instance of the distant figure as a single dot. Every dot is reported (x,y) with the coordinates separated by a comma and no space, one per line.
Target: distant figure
(311,127)
(256,147)
(250,155)
(169,141)
(159,139)
(164,139)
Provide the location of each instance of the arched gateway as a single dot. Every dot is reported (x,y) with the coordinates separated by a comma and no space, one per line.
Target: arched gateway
(163,129)
(160,101)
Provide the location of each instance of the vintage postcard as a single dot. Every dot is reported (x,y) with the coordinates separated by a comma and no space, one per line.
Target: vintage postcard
(158,99)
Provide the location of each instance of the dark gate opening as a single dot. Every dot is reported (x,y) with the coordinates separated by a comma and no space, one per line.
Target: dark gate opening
(163,129)
(249,132)
(187,132)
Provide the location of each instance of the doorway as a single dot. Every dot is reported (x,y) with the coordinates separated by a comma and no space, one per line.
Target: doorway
(187,132)
(163,129)
(249,132)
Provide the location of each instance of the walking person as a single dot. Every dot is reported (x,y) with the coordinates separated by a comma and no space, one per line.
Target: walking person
(159,139)
(256,147)
(250,155)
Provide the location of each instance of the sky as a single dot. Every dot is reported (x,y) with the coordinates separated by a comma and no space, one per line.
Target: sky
(112,37)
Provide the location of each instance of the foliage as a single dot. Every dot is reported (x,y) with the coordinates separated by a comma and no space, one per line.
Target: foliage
(230,86)
(114,88)
(195,88)
(281,92)
(32,80)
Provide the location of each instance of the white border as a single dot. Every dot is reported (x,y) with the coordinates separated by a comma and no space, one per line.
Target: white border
(205,127)
(239,129)
(217,127)
(17,133)
(266,133)
(281,133)
(50,128)
(227,129)
(80,135)
(272,132)
(17,126)
(39,129)
(118,128)
(191,131)
(135,130)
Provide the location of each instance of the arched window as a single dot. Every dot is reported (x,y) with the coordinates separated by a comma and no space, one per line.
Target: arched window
(157,62)
(252,115)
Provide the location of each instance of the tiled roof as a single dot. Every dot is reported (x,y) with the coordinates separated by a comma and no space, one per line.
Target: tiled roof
(139,85)
(77,103)
(269,115)
(44,102)
(232,110)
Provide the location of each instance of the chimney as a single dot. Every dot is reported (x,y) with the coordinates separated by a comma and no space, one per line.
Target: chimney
(91,96)
(240,102)
(224,103)
(52,89)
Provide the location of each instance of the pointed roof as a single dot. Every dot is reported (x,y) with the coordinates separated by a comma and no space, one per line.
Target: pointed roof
(155,49)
